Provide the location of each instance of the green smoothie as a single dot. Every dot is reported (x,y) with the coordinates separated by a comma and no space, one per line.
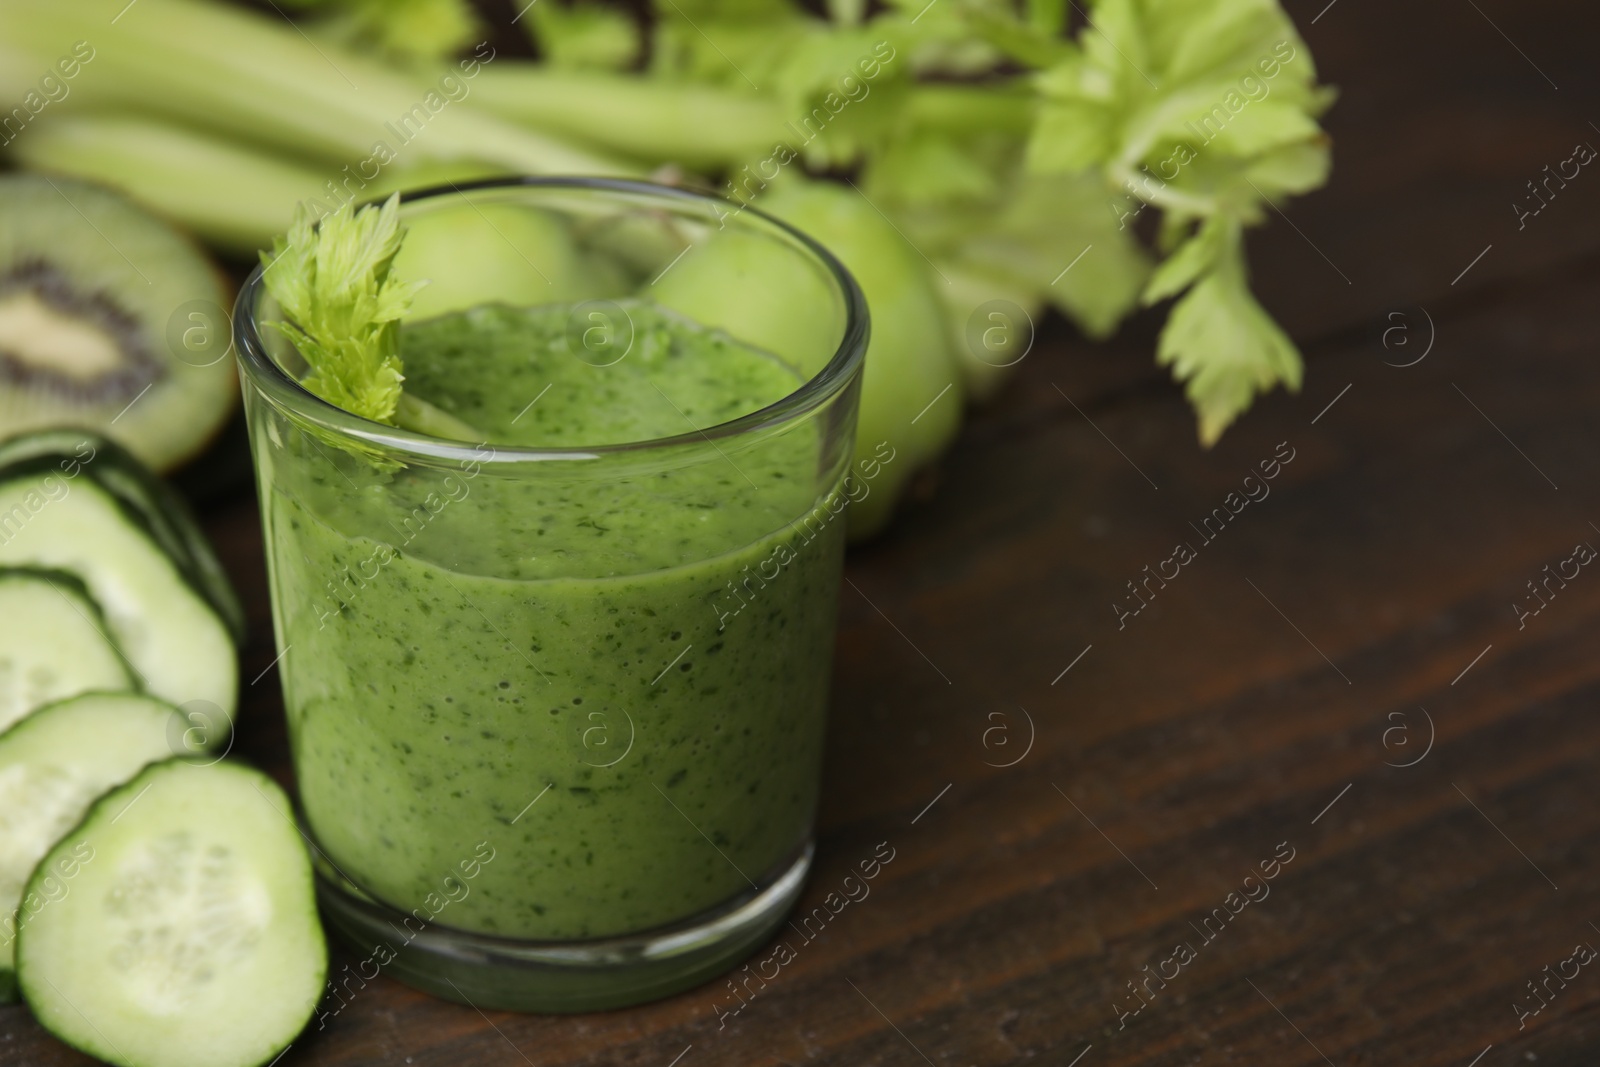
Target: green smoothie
(570,706)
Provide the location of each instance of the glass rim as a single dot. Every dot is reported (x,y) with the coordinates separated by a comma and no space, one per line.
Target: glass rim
(261,370)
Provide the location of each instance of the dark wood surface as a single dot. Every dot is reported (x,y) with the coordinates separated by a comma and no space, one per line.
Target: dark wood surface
(1265,696)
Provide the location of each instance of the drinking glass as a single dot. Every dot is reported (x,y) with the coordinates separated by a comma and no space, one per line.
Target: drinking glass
(556,714)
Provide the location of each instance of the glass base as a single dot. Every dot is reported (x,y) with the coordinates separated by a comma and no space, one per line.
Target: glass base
(562,976)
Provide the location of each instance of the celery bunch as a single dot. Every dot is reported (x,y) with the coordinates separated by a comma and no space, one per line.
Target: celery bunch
(1014,144)
(1004,141)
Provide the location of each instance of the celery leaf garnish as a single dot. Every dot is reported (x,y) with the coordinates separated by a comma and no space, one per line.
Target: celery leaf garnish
(342,306)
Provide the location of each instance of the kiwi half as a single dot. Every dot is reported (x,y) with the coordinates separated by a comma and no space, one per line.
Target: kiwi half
(109,319)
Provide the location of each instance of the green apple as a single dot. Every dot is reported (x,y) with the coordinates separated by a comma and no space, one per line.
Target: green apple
(758,291)
(913,388)
(488,252)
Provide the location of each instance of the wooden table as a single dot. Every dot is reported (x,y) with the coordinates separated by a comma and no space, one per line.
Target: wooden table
(1339,675)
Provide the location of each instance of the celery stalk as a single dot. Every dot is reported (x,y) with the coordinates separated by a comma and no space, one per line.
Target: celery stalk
(255,77)
(417,415)
(703,126)
(1005,107)
(695,125)
(233,197)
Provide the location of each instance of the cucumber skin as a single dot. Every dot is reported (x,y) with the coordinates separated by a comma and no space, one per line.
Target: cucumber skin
(274,794)
(73,583)
(163,515)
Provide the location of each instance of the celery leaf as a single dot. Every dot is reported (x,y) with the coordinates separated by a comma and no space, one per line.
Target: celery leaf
(343,307)
(1206,110)
(407,30)
(1221,344)
(584,36)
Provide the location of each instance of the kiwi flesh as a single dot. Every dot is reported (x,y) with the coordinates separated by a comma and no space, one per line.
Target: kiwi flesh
(109,320)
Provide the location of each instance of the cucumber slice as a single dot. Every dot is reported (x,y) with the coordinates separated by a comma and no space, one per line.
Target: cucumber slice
(53,645)
(49,776)
(164,514)
(170,635)
(190,938)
